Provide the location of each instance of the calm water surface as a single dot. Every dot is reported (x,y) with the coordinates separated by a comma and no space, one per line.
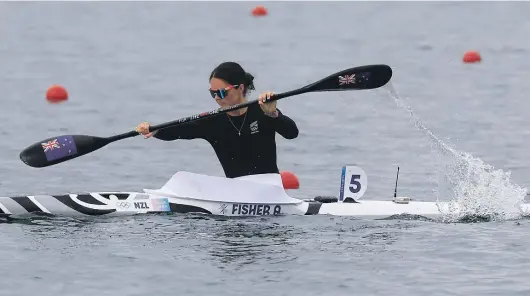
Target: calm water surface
(126,62)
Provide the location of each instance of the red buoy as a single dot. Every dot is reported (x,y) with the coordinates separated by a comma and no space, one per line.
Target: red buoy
(56,94)
(259,11)
(289,180)
(472,57)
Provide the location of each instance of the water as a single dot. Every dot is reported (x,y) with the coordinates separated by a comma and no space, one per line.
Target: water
(124,63)
(477,188)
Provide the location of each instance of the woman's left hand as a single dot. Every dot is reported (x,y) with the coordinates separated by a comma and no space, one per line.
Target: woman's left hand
(267,106)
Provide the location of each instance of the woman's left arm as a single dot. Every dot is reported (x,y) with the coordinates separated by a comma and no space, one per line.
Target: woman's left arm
(283,124)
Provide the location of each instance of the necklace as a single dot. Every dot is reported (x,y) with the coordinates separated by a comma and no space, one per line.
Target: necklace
(238,131)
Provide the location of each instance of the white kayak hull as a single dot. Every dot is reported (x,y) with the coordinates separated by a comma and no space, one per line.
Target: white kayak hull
(256,195)
(132,203)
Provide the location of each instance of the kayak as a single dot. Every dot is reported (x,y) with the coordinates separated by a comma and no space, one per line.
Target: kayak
(256,195)
(120,203)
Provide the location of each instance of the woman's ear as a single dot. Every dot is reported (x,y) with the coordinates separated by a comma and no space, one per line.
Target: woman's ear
(242,88)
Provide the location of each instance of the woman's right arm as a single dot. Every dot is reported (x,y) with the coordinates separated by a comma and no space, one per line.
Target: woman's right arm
(186,131)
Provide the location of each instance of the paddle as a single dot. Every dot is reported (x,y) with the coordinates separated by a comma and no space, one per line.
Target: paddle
(62,148)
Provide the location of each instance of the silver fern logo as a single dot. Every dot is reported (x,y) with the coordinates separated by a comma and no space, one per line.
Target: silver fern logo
(254,127)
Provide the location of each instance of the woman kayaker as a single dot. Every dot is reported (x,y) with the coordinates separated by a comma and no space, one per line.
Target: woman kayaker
(244,139)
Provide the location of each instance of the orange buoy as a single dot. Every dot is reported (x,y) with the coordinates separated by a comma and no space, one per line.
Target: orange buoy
(56,94)
(259,11)
(289,180)
(472,57)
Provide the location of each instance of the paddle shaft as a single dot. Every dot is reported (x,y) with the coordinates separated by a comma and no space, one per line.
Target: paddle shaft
(380,74)
(204,115)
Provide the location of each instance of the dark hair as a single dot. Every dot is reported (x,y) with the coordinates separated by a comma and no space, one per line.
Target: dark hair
(234,74)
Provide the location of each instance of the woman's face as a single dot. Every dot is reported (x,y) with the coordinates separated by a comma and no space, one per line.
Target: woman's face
(232,95)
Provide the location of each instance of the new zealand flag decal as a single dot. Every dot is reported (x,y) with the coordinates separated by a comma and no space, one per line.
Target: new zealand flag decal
(347,79)
(59,148)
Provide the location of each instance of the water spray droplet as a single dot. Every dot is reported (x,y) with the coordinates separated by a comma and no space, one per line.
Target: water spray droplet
(477,188)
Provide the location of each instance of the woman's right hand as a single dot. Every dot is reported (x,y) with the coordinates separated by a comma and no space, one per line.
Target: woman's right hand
(143,129)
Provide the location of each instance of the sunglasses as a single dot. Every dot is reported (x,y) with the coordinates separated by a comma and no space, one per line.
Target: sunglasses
(223,92)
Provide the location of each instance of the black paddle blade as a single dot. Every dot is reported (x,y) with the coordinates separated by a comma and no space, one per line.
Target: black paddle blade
(357,78)
(58,149)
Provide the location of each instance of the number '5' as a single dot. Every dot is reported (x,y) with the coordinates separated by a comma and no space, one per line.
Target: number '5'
(355,185)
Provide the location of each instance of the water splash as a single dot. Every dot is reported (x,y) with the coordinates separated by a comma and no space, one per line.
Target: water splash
(477,189)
